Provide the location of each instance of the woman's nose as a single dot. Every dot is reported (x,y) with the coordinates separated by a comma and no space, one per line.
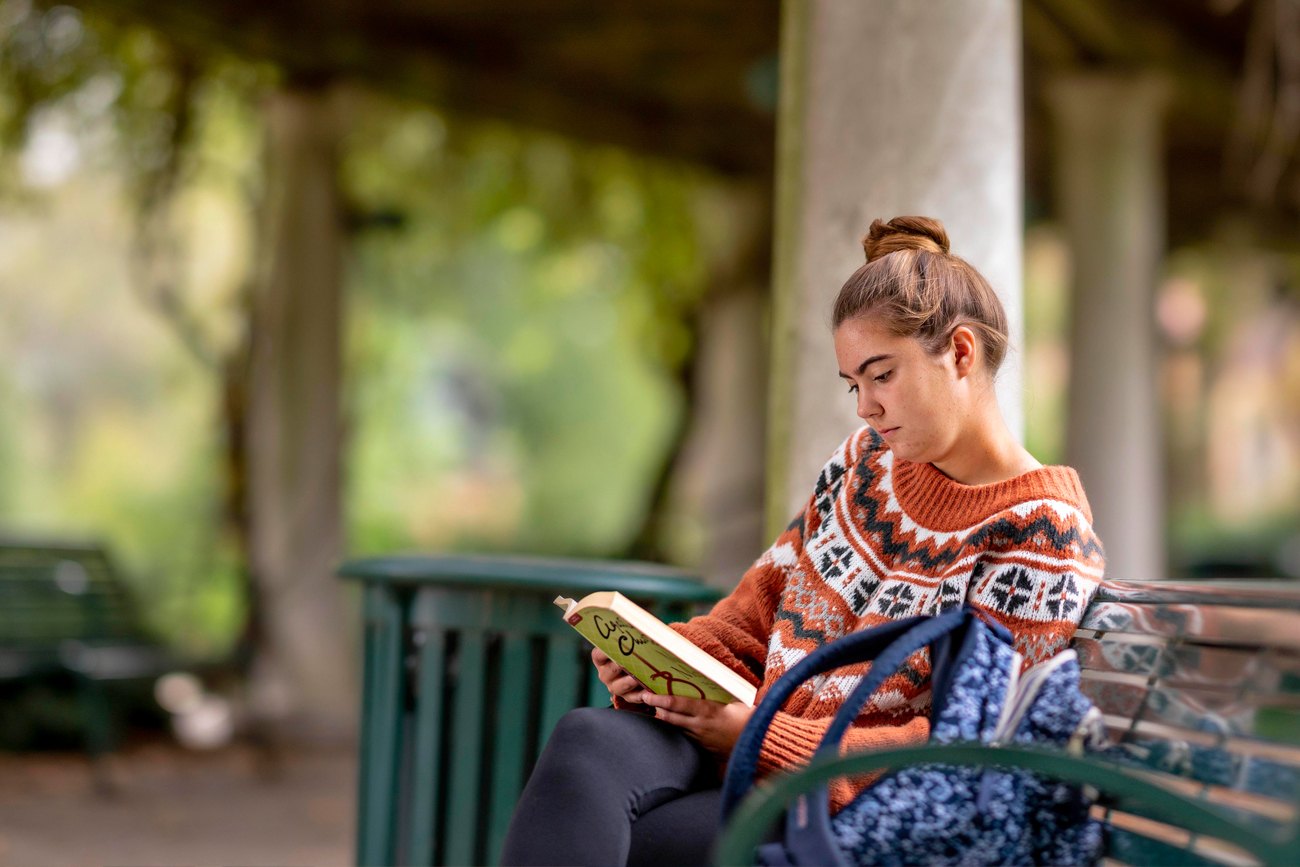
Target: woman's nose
(866,407)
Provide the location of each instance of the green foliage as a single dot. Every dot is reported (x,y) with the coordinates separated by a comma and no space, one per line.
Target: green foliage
(518,317)
(128,169)
(515,343)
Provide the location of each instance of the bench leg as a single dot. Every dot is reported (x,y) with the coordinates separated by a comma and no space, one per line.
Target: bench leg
(97,722)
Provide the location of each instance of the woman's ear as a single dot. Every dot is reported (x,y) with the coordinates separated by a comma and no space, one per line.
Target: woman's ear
(965,349)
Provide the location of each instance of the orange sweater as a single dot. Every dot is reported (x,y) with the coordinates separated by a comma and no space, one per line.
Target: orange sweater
(882,538)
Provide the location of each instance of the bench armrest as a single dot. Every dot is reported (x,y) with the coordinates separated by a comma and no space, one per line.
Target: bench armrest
(767,800)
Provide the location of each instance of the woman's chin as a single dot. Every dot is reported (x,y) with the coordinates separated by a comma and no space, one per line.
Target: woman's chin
(904,451)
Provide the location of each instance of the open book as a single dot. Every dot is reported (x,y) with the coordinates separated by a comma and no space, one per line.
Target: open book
(663,660)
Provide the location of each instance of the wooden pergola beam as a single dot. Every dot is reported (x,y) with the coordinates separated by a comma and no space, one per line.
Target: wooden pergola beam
(687,81)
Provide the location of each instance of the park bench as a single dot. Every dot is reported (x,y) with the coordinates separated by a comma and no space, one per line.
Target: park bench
(1200,682)
(1200,685)
(66,616)
(467,668)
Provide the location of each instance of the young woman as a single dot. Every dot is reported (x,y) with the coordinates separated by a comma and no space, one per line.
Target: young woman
(932,503)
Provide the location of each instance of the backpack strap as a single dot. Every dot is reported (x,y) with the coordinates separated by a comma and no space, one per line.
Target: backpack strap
(808,836)
(888,645)
(887,664)
(949,638)
(854,647)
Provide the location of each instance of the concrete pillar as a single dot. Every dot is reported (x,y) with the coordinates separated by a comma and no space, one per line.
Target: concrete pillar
(719,476)
(303,672)
(888,107)
(1110,197)
(718,479)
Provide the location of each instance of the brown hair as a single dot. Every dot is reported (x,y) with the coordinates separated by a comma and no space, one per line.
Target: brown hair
(921,290)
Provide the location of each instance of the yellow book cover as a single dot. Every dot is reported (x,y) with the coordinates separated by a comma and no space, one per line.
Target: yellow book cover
(665,661)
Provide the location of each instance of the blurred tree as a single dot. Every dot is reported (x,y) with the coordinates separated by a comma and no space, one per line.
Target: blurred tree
(167,133)
(545,294)
(520,317)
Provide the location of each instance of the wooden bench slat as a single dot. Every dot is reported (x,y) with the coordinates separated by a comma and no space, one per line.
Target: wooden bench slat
(426,752)
(382,701)
(1270,594)
(1138,840)
(560,682)
(511,740)
(1213,766)
(1227,625)
(1192,706)
(1275,812)
(1282,753)
(467,721)
(1191,664)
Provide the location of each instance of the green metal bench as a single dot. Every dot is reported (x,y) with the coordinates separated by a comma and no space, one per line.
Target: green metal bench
(1200,684)
(467,668)
(65,614)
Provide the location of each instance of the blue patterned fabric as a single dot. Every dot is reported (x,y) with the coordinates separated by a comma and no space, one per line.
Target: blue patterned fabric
(945,815)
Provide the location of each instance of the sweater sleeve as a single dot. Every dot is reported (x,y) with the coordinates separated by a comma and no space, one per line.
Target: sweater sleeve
(737,630)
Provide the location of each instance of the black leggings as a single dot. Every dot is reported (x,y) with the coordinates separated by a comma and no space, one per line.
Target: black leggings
(614,787)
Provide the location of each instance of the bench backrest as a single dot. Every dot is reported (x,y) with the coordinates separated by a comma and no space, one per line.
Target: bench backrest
(462,688)
(1201,684)
(52,593)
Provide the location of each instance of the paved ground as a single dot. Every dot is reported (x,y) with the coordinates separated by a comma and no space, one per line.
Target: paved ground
(175,807)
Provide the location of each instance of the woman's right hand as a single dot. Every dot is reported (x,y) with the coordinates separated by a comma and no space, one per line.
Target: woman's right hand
(616,679)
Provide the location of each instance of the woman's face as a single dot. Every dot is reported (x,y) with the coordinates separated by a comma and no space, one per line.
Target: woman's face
(916,401)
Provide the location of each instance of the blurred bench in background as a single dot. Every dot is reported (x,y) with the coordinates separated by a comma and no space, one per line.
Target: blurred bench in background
(66,616)
(468,666)
(1199,682)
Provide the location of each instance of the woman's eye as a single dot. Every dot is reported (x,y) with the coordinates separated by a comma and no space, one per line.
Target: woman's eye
(853,388)
(884,376)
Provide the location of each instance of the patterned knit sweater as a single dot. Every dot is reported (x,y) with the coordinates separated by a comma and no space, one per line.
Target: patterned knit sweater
(883,538)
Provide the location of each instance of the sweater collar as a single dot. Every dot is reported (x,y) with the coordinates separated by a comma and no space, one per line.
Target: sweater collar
(939,503)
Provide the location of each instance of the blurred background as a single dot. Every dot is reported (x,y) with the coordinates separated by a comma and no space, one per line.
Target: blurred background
(284,283)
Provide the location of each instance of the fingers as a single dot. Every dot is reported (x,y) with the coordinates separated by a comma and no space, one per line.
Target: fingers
(608,673)
(628,689)
(678,719)
(683,705)
(608,670)
(616,678)
(611,673)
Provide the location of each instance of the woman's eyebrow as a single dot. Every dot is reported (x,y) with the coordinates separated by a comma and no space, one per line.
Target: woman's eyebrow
(864,365)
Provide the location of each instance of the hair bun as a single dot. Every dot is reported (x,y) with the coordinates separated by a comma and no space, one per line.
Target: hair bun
(904,233)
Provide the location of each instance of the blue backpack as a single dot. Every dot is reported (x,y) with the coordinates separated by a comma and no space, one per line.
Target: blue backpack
(938,814)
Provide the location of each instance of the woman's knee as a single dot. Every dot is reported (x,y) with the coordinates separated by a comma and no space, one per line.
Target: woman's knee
(604,734)
(579,736)
(582,724)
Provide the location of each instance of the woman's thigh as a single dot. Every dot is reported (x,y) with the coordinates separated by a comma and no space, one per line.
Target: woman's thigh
(606,751)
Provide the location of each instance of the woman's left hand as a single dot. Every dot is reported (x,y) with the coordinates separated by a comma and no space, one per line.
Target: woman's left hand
(715,725)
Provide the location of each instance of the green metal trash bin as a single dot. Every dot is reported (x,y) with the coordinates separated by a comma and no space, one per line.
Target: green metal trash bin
(467,668)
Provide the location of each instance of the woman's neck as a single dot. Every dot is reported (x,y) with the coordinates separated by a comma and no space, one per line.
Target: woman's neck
(986,452)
